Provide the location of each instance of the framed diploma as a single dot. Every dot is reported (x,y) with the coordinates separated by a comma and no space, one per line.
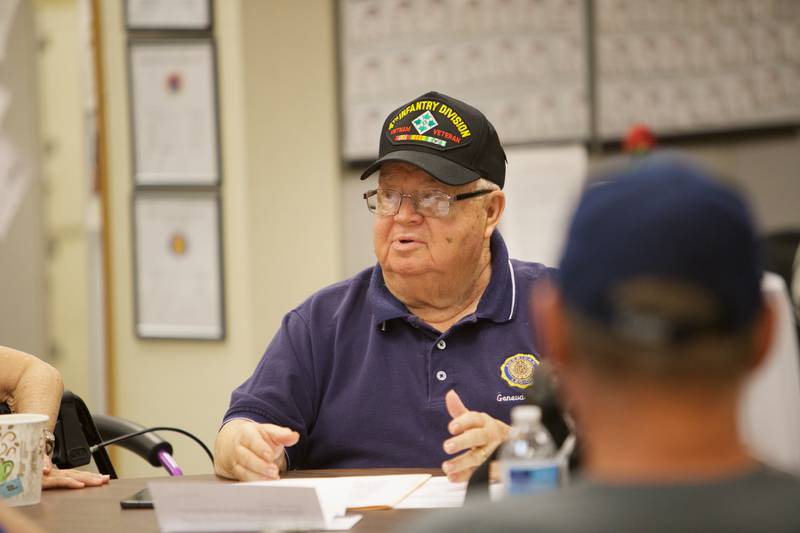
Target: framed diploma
(174,112)
(168,15)
(178,265)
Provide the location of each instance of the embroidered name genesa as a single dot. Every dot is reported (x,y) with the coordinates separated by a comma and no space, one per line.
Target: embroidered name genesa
(516,398)
(517,370)
(431,105)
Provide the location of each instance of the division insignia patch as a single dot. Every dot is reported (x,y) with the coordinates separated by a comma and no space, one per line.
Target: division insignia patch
(517,370)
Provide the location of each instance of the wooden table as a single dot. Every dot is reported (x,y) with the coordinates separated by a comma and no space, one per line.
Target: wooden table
(97,510)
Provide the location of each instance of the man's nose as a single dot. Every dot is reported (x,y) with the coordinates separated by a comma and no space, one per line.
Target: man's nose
(407,211)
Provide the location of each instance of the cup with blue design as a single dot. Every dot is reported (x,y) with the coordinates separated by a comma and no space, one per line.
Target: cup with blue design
(22,445)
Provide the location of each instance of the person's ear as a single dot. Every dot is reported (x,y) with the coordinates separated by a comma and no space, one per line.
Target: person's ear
(550,323)
(495,205)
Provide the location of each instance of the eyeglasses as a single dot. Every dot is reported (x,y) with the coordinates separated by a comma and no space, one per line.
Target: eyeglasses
(429,203)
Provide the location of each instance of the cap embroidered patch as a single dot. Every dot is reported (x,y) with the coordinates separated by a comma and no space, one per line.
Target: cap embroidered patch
(437,126)
(424,122)
(517,370)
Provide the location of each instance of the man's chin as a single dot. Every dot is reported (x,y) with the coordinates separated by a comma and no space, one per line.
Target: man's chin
(406,267)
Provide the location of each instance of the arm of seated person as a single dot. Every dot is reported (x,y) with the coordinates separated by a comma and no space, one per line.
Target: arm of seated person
(29,385)
(249,451)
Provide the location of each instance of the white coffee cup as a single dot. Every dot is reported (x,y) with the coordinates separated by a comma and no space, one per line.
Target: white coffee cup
(22,441)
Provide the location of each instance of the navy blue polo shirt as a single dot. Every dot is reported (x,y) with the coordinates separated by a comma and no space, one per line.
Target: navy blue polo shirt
(363,380)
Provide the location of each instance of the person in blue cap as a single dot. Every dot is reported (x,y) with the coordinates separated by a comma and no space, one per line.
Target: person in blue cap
(417,361)
(656,321)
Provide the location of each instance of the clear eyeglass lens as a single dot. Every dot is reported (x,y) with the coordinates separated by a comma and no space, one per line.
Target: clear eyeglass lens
(387,201)
(433,203)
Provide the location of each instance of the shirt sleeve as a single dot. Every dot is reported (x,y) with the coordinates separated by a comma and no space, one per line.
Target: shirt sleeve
(283,388)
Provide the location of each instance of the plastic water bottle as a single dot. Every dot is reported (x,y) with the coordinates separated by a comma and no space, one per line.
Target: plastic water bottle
(529,461)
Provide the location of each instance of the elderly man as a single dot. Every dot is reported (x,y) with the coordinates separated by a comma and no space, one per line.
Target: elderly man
(655,324)
(417,361)
(29,385)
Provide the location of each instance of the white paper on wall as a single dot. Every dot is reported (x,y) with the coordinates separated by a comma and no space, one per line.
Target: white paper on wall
(542,185)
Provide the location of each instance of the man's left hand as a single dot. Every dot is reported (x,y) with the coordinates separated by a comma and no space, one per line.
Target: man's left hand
(55,478)
(477,433)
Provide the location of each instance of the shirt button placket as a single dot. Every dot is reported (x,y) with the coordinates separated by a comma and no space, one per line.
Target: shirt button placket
(441,375)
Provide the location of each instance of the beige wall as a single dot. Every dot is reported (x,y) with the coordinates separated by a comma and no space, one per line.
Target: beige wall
(65,173)
(22,248)
(277,110)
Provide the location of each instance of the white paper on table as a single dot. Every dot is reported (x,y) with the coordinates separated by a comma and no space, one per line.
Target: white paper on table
(436,493)
(367,492)
(206,507)
(383,492)
(542,184)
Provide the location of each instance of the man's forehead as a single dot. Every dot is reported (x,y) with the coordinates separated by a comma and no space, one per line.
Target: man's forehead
(395,170)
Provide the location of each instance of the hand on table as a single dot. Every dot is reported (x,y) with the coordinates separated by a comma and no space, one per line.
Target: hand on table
(476,432)
(56,478)
(255,451)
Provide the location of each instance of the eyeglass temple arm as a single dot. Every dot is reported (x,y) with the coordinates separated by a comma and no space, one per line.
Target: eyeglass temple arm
(466,195)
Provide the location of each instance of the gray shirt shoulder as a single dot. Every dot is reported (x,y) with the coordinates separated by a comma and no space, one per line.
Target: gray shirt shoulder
(764,500)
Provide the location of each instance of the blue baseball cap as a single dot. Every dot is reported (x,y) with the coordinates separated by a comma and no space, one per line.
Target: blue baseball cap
(663,218)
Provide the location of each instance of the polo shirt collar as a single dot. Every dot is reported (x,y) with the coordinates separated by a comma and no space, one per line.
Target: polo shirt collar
(498,302)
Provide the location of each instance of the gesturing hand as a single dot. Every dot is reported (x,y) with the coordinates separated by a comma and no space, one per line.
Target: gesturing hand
(253,451)
(477,433)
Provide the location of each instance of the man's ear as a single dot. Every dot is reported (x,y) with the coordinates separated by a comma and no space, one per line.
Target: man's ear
(549,322)
(495,205)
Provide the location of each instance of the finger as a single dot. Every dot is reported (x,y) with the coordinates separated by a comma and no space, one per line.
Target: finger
(464,463)
(255,463)
(460,477)
(260,444)
(87,478)
(279,435)
(455,407)
(47,464)
(471,438)
(469,420)
(60,482)
(242,473)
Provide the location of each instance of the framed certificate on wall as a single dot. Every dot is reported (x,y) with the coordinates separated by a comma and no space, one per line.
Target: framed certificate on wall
(168,15)
(178,267)
(174,112)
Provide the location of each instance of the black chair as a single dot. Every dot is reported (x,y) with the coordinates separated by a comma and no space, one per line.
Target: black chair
(80,437)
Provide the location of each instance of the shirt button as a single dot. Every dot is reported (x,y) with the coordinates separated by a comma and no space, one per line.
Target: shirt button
(441,375)
(441,344)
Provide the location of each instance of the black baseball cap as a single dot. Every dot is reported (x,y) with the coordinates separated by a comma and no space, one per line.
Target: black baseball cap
(447,138)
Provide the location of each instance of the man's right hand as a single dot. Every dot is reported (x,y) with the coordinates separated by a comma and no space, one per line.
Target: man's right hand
(249,451)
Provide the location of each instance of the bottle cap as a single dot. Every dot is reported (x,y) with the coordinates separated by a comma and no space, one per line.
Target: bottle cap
(526,413)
